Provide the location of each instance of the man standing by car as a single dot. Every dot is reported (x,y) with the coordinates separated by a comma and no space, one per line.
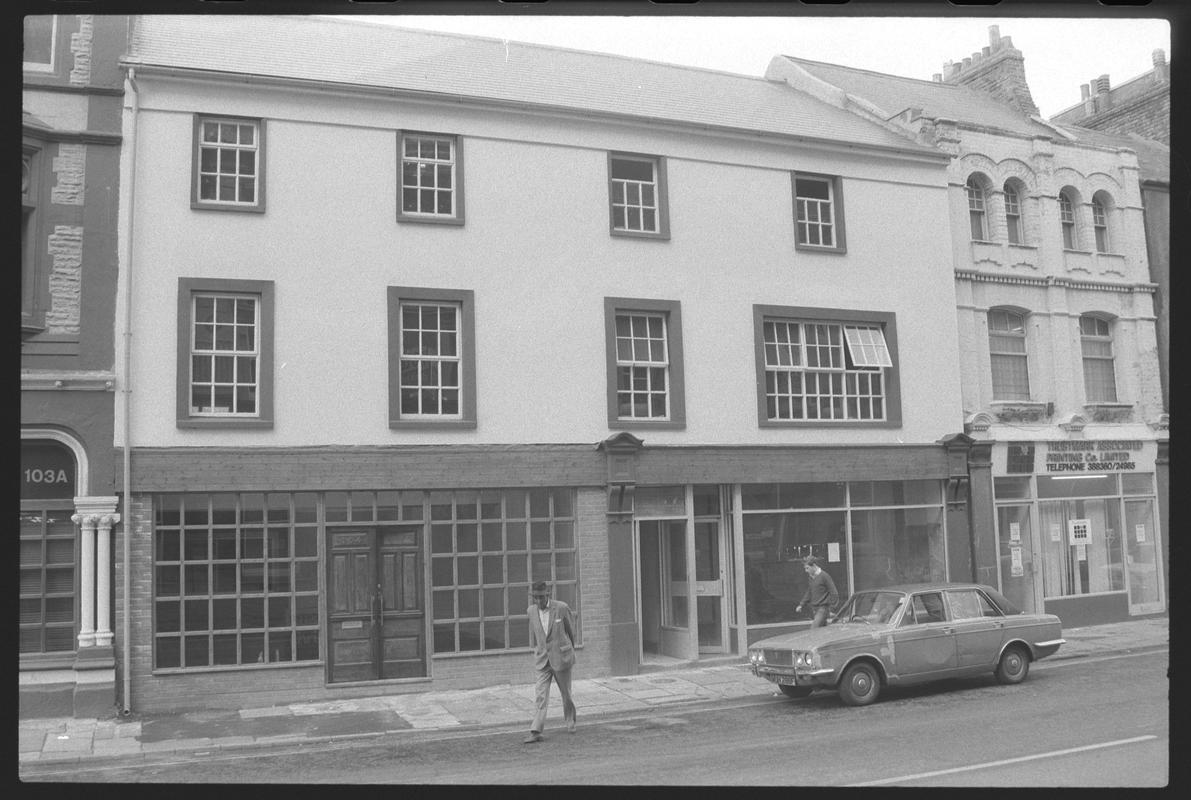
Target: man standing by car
(820,591)
(552,637)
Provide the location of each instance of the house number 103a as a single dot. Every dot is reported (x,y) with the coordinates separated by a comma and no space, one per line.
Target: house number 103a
(46,476)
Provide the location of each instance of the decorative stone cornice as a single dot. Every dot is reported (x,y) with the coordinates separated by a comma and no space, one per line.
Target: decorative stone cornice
(978,422)
(1073,423)
(1045,281)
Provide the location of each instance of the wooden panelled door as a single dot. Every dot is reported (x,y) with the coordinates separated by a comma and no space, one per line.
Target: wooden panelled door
(376,627)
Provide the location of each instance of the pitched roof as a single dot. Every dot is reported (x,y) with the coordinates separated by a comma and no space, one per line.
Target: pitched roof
(893,94)
(1153,158)
(355,53)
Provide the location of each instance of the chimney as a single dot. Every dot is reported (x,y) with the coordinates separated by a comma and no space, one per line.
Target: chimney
(998,69)
(1102,86)
(1161,68)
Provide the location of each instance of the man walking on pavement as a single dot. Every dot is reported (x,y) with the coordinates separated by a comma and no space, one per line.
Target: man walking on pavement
(552,636)
(820,592)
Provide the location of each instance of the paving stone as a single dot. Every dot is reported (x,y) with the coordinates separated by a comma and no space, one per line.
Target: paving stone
(271,711)
(30,741)
(67,743)
(106,747)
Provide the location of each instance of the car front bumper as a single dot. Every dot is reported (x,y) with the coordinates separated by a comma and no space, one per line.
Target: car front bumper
(793,676)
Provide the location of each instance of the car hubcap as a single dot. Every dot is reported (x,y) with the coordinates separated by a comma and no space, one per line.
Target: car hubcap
(861,683)
(1013,664)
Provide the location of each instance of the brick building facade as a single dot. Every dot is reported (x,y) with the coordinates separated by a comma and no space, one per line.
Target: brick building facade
(72,91)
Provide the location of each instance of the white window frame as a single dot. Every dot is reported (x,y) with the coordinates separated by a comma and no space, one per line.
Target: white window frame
(628,195)
(816,379)
(824,221)
(436,162)
(1013,225)
(238,147)
(235,353)
(1001,336)
(1089,342)
(1067,222)
(437,359)
(1100,225)
(977,210)
(41,66)
(643,368)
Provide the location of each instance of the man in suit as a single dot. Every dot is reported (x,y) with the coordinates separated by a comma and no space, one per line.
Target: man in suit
(552,636)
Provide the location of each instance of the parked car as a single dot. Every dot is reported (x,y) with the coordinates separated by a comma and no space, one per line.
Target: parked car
(908,634)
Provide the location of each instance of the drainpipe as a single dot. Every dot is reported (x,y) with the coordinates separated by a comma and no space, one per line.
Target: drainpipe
(127,390)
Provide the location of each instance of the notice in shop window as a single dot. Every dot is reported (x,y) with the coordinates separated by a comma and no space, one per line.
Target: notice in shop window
(1016,569)
(1056,534)
(1139,531)
(833,551)
(1015,531)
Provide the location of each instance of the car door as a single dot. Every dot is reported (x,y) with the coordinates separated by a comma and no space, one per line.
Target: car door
(924,645)
(979,629)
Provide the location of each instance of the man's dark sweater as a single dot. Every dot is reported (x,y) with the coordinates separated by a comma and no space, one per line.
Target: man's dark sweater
(821,591)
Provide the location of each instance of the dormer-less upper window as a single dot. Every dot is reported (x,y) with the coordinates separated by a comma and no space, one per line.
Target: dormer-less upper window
(229,155)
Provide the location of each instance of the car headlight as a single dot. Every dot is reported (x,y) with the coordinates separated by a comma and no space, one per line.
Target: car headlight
(804,659)
(756,656)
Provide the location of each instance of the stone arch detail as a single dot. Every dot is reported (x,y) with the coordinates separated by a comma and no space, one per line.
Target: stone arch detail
(82,470)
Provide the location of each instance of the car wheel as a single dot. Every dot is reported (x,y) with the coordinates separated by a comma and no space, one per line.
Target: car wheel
(796,691)
(1014,665)
(860,684)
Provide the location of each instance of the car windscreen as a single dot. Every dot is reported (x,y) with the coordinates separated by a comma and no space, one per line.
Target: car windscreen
(871,607)
(1007,608)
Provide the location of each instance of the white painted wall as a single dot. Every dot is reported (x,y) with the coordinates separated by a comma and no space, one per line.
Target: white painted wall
(537,253)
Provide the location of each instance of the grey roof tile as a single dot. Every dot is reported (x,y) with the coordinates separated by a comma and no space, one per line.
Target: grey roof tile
(357,53)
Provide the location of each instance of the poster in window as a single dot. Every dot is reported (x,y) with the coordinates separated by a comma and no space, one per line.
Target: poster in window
(1079,531)
(1055,534)
(1016,569)
(833,551)
(1139,531)
(1015,531)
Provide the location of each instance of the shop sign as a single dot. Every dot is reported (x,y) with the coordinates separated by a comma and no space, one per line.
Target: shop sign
(1103,455)
(47,471)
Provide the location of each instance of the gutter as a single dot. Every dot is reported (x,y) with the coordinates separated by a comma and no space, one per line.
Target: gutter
(126,388)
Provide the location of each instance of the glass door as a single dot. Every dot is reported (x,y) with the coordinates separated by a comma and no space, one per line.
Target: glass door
(1144,569)
(1016,550)
(709,586)
(664,589)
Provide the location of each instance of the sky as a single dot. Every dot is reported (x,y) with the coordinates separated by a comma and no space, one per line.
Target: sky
(1060,54)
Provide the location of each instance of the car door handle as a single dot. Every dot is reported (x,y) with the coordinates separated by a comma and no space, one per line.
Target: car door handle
(948,630)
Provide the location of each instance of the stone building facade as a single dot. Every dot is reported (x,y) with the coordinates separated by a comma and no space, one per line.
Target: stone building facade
(1057,327)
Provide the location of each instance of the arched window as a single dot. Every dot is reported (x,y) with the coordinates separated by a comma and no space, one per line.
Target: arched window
(1013,227)
(1100,224)
(1099,376)
(1007,351)
(976,210)
(1067,220)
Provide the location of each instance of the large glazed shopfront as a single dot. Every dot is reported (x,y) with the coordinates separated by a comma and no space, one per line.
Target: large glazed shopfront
(1078,527)
(262,577)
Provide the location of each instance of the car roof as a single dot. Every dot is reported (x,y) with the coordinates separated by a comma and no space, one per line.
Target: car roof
(925,587)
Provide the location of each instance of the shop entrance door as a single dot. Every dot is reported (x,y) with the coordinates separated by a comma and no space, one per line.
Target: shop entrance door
(1144,568)
(709,586)
(664,589)
(1016,546)
(376,625)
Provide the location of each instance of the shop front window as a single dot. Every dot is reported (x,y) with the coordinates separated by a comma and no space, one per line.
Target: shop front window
(1082,550)
(898,545)
(774,546)
(867,534)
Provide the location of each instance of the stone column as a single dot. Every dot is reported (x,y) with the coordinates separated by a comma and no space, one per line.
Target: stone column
(86,523)
(103,582)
